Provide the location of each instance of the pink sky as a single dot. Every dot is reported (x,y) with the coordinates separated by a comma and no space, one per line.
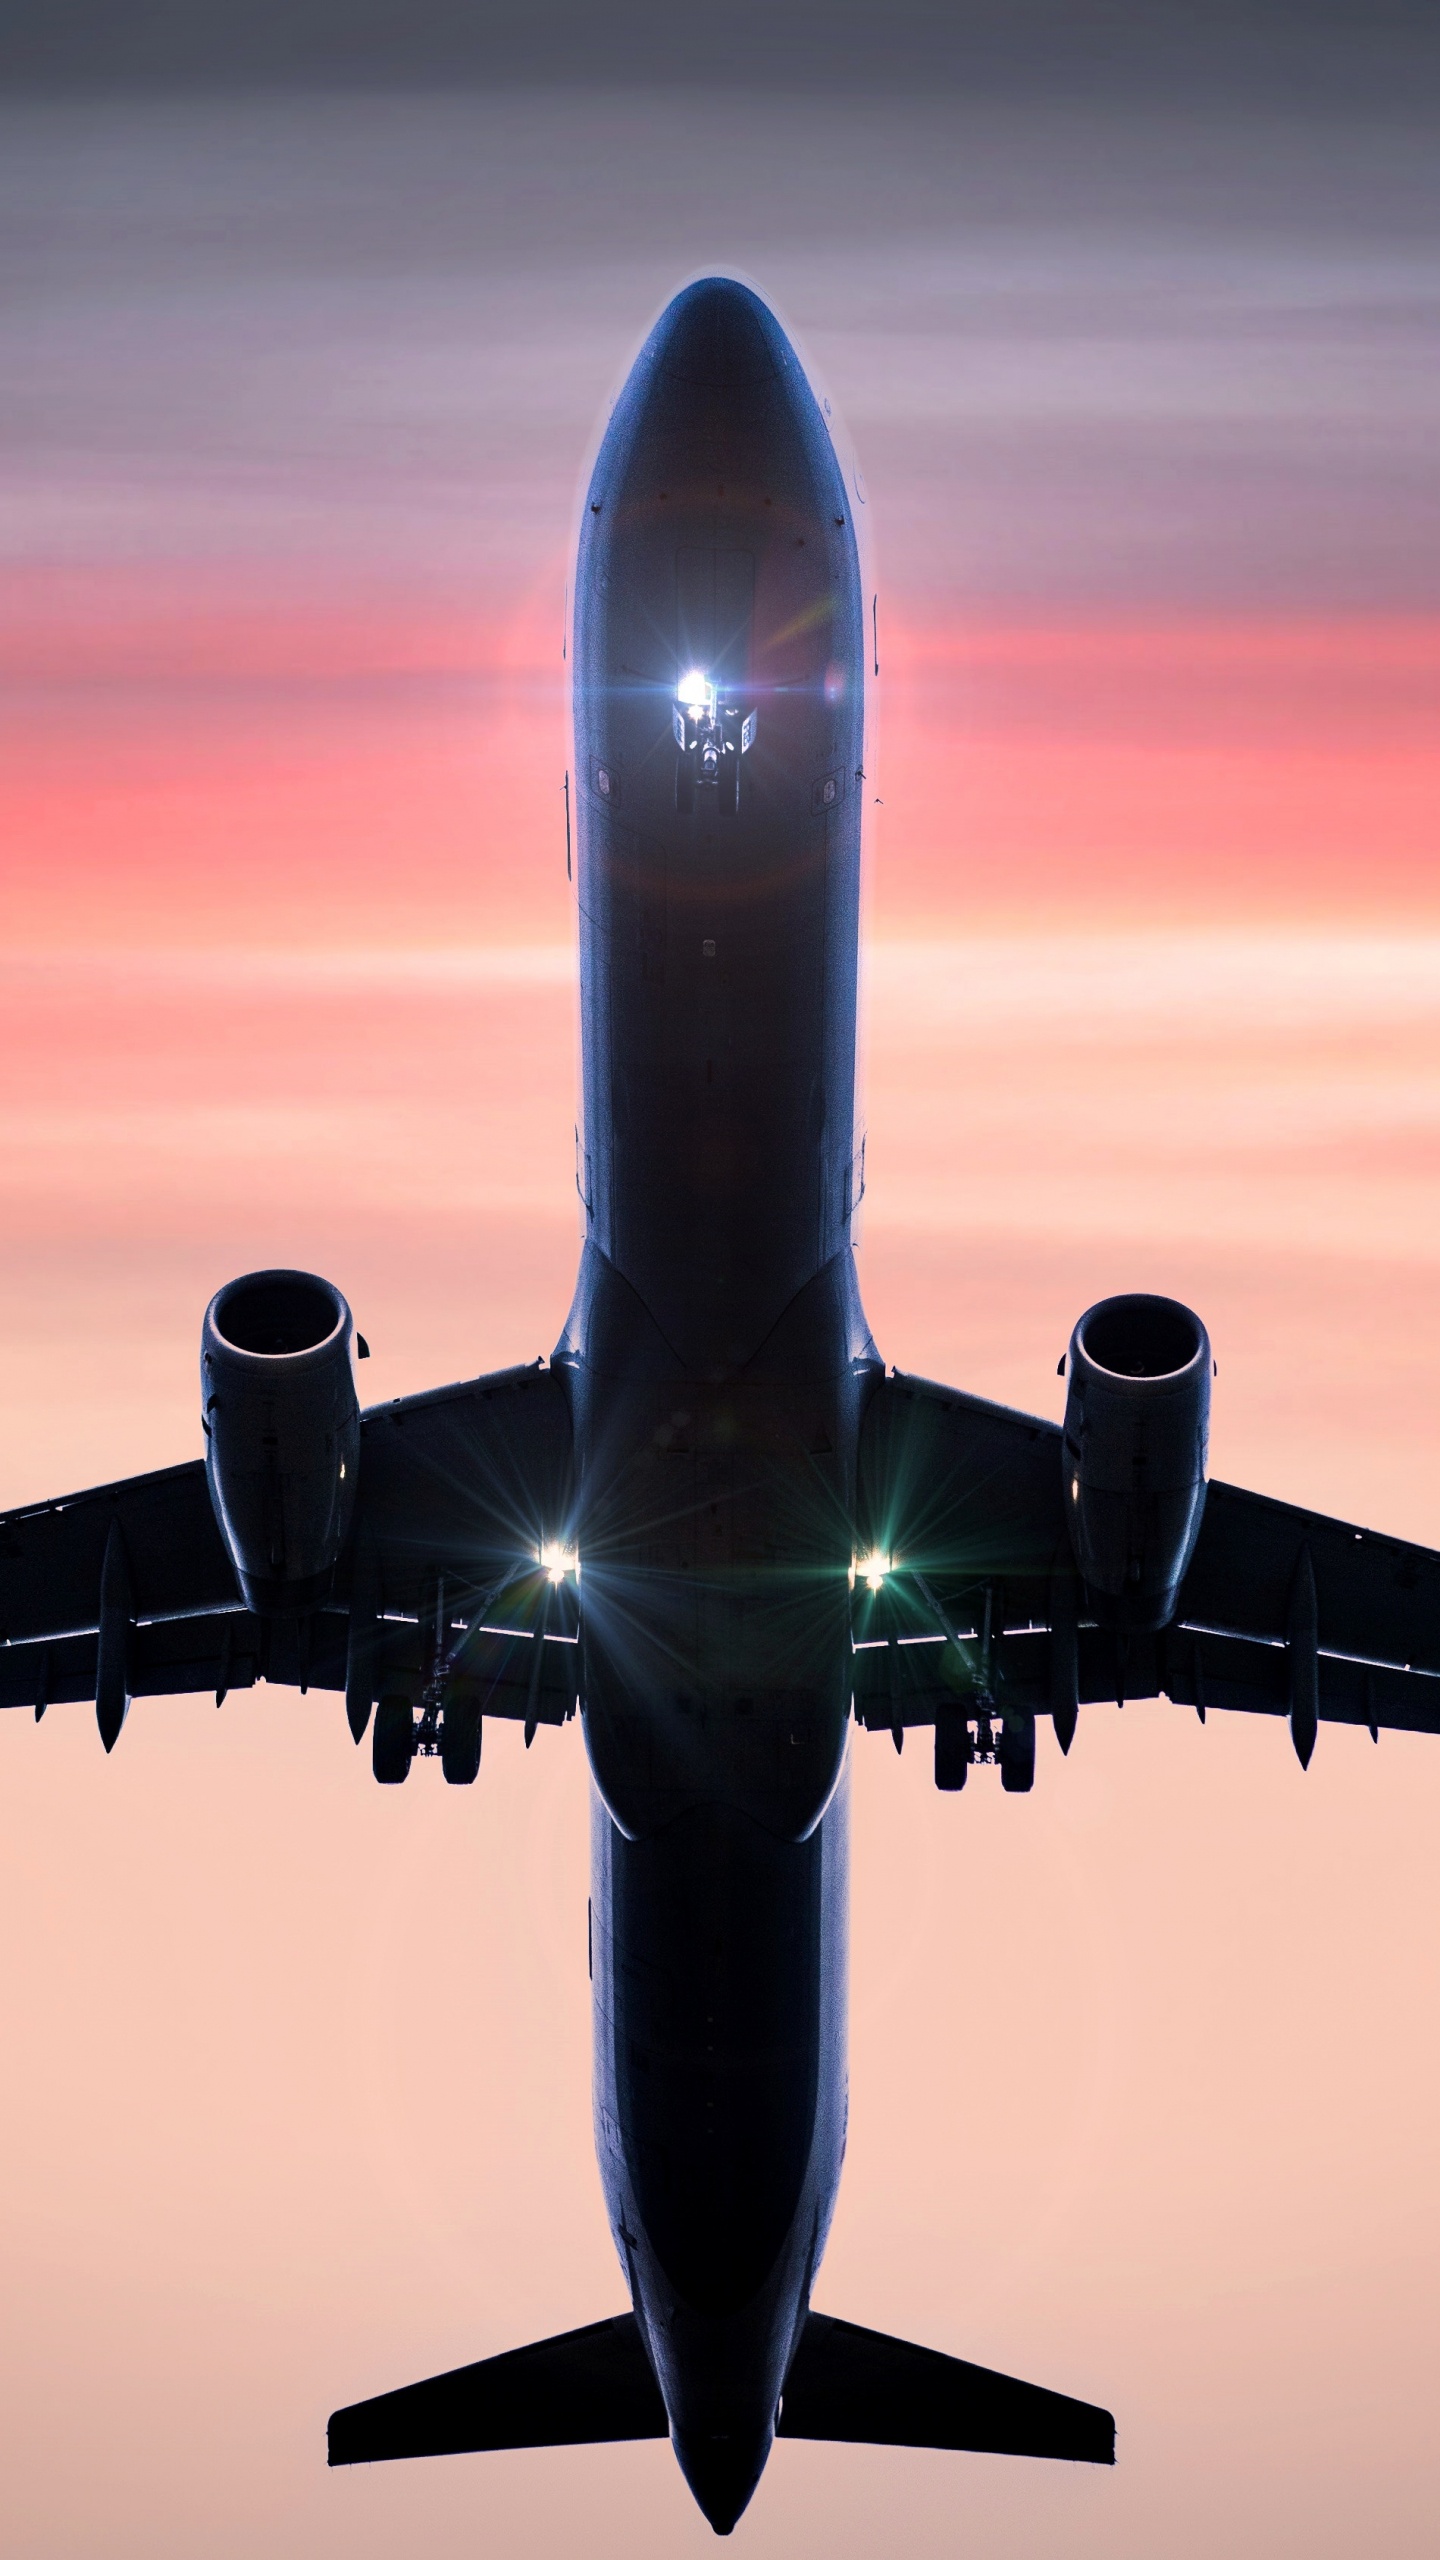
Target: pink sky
(1143,2066)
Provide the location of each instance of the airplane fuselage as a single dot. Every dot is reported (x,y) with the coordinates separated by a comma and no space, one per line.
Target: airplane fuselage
(717,1355)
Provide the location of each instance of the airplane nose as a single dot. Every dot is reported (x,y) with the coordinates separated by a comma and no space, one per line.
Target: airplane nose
(717,334)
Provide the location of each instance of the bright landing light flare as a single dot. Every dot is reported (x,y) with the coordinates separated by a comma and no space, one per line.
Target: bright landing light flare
(557,1560)
(695,692)
(871,1570)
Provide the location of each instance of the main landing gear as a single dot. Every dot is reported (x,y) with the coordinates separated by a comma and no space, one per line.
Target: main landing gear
(1006,1742)
(451,1732)
(912,1667)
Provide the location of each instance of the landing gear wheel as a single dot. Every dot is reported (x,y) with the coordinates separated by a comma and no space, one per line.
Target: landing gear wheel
(393,1746)
(953,1749)
(684,786)
(461,1730)
(727,784)
(1017,1755)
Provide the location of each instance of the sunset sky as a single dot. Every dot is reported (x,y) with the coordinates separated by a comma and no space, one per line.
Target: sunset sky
(296,389)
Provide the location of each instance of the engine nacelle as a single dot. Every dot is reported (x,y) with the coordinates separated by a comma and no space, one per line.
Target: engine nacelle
(1137,1425)
(282,1452)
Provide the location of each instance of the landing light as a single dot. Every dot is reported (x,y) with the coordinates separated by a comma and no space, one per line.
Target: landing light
(557,1560)
(872,1569)
(695,693)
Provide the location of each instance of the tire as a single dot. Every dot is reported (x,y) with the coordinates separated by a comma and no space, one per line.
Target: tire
(393,1747)
(952,1750)
(684,785)
(727,786)
(1017,1755)
(461,1731)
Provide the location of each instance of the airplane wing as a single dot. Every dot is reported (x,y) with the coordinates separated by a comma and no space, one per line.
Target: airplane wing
(967,1499)
(458,1489)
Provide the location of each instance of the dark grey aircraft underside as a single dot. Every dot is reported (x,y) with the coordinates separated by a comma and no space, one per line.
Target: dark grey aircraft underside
(715,1524)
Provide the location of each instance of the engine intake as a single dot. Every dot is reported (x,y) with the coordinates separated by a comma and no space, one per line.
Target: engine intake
(1137,1422)
(282,1452)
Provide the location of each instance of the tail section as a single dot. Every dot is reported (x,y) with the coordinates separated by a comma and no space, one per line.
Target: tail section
(845,2385)
(591,2386)
(855,2386)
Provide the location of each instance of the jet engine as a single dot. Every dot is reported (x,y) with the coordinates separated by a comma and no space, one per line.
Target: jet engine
(1137,1421)
(282,1424)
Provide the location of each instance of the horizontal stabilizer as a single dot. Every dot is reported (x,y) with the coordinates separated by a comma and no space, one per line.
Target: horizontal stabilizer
(855,2386)
(591,2386)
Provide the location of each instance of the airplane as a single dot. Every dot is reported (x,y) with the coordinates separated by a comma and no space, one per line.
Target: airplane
(715,1525)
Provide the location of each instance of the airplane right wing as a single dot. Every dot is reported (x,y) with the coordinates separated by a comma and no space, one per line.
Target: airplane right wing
(982,1605)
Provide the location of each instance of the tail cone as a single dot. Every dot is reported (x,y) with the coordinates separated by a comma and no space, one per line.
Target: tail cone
(723,2472)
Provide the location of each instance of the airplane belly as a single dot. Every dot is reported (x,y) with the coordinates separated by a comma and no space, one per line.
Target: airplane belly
(716,1537)
(718,1962)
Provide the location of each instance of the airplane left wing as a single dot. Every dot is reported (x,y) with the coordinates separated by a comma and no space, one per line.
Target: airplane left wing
(974,1603)
(128,1590)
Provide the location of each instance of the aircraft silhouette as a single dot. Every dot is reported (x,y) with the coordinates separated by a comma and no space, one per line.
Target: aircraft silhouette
(714,1523)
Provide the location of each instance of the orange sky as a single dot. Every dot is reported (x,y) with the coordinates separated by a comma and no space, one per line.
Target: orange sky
(1143,2066)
